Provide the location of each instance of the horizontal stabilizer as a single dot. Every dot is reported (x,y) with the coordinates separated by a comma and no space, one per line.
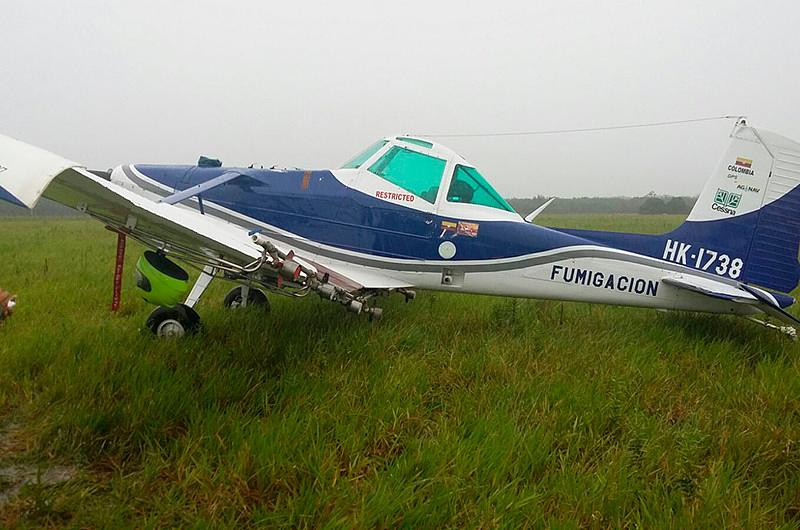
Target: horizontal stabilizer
(770,306)
(741,293)
(710,288)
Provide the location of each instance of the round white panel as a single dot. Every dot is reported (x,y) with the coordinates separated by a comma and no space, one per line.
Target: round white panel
(447,249)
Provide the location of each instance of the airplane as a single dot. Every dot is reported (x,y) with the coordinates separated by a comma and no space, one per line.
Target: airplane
(408,213)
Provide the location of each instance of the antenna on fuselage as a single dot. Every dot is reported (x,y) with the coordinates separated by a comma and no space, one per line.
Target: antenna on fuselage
(585,129)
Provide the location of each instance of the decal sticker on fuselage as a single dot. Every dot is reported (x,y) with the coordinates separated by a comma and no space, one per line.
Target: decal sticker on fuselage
(748,189)
(702,259)
(742,167)
(392,196)
(602,280)
(451,229)
(467,229)
(726,201)
(448,228)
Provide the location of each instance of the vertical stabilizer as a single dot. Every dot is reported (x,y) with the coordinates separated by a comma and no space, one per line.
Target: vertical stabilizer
(750,208)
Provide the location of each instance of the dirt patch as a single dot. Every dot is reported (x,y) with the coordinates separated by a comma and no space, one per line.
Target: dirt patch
(13,477)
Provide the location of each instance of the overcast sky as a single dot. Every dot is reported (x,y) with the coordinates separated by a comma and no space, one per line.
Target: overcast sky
(310,83)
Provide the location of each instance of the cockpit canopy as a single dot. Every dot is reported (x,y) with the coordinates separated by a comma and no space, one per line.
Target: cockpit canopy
(421,167)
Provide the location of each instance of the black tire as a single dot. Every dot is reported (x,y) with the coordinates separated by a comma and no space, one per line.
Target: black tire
(255,298)
(173,322)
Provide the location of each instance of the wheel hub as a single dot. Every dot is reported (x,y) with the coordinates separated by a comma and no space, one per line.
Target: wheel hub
(170,329)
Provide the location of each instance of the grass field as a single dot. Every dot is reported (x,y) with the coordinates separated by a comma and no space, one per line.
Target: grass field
(454,411)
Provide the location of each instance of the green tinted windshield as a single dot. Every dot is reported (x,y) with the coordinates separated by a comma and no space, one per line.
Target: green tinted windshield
(414,172)
(362,157)
(468,186)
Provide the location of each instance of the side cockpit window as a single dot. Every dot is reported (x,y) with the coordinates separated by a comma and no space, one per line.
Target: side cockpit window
(415,172)
(469,187)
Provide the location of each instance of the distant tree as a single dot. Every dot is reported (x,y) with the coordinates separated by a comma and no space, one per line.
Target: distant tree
(653,205)
(45,208)
(605,205)
(676,205)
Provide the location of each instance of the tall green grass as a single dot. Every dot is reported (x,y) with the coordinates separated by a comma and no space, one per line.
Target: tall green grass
(453,411)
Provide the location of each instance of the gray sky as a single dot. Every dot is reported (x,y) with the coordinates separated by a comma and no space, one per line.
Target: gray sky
(310,83)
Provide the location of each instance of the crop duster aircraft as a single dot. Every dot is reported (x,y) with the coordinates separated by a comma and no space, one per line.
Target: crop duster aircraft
(409,213)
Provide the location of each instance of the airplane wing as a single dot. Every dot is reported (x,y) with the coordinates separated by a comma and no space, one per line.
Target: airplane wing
(161,224)
(742,294)
(27,173)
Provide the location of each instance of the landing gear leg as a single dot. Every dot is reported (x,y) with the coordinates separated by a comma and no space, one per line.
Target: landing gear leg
(244,296)
(200,285)
(174,322)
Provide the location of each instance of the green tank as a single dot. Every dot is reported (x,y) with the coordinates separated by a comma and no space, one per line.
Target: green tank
(162,281)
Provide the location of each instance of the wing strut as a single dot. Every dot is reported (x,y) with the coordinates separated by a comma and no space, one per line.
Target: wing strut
(200,188)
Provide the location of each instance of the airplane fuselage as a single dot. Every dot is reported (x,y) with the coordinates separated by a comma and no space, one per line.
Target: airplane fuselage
(319,215)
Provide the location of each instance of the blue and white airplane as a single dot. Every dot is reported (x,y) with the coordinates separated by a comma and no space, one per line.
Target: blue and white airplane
(409,213)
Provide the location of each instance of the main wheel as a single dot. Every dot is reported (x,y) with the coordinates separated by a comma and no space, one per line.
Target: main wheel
(255,298)
(173,322)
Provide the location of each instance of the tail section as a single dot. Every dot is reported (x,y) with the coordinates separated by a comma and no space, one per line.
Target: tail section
(746,222)
(750,210)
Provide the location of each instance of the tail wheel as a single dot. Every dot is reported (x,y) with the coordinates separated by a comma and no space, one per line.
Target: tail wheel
(255,297)
(173,322)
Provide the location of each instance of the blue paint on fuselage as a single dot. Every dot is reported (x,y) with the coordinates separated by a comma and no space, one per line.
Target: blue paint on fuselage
(320,208)
(767,240)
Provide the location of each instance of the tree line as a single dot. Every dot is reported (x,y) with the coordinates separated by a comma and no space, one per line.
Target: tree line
(649,204)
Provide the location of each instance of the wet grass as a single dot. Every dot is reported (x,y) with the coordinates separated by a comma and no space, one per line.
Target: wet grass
(453,411)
